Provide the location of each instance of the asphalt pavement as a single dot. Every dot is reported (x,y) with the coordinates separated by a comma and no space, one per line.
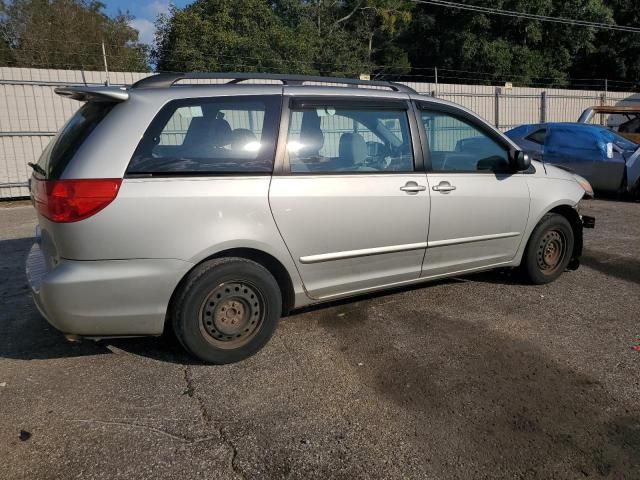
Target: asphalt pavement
(474,377)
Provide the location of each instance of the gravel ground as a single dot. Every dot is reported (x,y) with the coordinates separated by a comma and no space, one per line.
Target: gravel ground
(476,377)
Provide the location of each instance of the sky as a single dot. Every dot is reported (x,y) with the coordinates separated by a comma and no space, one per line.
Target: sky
(144,11)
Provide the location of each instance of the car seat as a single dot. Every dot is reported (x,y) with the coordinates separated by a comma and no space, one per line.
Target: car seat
(352,151)
(205,135)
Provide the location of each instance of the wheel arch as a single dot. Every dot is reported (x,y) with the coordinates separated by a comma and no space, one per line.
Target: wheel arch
(572,215)
(268,261)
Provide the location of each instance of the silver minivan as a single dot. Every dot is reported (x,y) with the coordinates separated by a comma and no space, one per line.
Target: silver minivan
(216,209)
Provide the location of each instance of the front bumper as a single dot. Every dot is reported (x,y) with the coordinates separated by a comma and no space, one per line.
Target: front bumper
(104,297)
(587,221)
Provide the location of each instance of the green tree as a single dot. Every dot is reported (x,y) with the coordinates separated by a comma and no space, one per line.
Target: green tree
(331,48)
(286,36)
(617,54)
(68,34)
(6,54)
(224,35)
(377,24)
(508,48)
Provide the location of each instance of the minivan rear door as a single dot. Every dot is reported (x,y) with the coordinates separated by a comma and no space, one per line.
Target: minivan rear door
(350,196)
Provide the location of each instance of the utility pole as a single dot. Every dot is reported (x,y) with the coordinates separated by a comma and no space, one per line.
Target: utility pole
(106,67)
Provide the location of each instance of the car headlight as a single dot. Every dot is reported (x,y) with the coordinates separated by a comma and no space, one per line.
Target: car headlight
(586,186)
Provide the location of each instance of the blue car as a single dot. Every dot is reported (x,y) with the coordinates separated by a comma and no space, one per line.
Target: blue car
(609,161)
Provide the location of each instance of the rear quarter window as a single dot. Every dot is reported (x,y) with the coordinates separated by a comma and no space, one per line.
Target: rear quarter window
(539,136)
(61,149)
(216,135)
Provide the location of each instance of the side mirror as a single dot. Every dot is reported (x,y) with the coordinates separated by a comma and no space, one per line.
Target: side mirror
(519,160)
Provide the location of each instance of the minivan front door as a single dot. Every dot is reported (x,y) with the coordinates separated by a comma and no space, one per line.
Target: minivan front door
(479,209)
(350,204)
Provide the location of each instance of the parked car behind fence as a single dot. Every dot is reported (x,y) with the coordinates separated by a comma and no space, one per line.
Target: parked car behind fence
(606,159)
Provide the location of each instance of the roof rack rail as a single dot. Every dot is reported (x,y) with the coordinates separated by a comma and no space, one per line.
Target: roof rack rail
(164,80)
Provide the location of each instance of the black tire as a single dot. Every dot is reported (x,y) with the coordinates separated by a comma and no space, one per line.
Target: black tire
(226,310)
(549,249)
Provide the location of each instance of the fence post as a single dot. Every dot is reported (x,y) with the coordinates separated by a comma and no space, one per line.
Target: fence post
(603,102)
(543,107)
(497,107)
(436,74)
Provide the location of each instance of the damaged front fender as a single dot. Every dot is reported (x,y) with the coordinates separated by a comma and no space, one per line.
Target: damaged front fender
(633,172)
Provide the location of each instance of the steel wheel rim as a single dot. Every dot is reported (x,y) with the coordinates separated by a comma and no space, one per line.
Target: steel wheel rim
(232,314)
(551,252)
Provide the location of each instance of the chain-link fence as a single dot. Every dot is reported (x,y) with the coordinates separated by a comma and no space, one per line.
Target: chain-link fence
(31,113)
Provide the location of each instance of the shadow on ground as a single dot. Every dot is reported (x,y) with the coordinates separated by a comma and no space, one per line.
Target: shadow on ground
(624,268)
(28,336)
(498,402)
(439,389)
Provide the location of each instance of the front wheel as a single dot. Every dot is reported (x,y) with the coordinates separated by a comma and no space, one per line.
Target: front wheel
(549,249)
(226,310)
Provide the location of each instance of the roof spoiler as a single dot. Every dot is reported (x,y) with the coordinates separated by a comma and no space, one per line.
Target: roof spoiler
(85,94)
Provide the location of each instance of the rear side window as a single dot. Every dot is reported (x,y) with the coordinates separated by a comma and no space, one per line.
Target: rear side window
(336,139)
(210,136)
(538,136)
(57,155)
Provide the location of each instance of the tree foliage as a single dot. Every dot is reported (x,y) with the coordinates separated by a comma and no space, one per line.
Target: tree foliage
(255,35)
(67,34)
(504,47)
(223,35)
(303,36)
(616,55)
(398,37)
(389,38)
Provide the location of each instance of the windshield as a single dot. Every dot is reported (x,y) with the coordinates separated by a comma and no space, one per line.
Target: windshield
(57,155)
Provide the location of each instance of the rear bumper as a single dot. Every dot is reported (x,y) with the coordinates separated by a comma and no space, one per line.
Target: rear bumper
(106,297)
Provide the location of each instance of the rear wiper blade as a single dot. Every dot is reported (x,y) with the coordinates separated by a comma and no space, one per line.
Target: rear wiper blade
(37,168)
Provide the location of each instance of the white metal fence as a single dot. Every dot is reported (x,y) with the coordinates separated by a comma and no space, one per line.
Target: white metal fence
(31,113)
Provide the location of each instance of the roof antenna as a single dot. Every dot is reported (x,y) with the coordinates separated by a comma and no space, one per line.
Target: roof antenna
(106,68)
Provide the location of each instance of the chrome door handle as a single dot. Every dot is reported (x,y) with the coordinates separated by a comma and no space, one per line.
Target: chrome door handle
(444,187)
(413,187)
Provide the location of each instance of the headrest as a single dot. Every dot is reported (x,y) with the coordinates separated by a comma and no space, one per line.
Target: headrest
(240,137)
(310,132)
(220,132)
(352,148)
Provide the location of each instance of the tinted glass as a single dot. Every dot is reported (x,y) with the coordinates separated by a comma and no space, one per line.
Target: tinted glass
(457,145)
(336,140)
(61,149)
(538,136)
(210,135)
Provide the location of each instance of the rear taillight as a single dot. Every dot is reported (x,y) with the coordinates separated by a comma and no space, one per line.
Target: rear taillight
(67,201)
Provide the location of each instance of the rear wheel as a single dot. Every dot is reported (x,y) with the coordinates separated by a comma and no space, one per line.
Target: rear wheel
(226,310)
(549,249)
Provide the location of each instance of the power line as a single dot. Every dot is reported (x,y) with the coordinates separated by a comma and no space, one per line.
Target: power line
(252,61)
(528,16)
(83,59)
